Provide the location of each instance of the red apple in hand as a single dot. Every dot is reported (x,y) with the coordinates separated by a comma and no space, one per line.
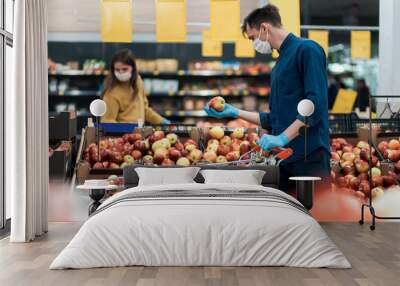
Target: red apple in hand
(217,103)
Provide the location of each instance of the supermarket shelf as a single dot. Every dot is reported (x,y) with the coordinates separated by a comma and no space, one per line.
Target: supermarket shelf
(181,73)
(77,93)
(200,93)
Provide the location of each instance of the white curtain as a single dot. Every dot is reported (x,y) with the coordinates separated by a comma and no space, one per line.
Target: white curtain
(27,123)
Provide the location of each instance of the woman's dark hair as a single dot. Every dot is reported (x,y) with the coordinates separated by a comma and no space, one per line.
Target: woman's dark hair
(268,13)
(126,57)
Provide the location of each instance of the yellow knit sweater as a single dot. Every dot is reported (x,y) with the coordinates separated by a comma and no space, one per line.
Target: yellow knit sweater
(125,107)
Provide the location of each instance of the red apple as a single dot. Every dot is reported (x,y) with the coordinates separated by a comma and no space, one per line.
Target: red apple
(394,155)
(136,154)
(374,160)
(179,146)
(382,146)
(362,166)
(343,163)
(341,141)
(238,133)
(397,167)
(217,132)
(174,154)
(335,156)
(388,181)
(363,176)
(140,145)
(159,155)
(355,183)
(133,137)
(348,170)
(233,156)
(253,138)
(190,141)
(167,162)
(221,159)
(394,144)
(217,103)
(105,155)
(148,160)
(244,147)
(210,156)
(152,139)
(195,155)
(336,146)
(356,151)
(226,140)
(235,146)
(348,179)
(106,164)
(183,162)
(364,154)
(377,181)
(223,150)
(159,135)
(364,187)
(172,137)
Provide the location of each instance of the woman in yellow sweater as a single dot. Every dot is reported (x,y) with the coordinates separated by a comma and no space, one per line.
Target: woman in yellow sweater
(124,93)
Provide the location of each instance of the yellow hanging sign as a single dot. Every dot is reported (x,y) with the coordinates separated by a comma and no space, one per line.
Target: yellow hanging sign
(210,47)
(290,14)
(244,48)
(116,21)
(171,20)
(361,44)
(344,101)
(321,37)
(225,20)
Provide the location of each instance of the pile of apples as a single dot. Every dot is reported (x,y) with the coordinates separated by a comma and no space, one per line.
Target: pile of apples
(352,168)
(156,149)
(222,148)
(391,151)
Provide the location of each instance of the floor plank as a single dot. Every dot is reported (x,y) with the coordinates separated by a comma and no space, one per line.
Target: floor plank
(375,257)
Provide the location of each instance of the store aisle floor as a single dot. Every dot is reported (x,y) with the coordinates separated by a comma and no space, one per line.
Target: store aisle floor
(375,257)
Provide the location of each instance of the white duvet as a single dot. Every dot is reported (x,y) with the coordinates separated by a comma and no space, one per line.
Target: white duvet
(200,231)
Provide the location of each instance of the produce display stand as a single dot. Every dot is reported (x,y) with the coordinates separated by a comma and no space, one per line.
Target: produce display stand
(369,205)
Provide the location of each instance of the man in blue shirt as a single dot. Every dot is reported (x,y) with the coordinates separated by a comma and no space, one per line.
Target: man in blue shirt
(299,73)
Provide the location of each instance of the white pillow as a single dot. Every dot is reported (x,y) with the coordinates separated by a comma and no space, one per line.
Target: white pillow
(247,177)
(166,176)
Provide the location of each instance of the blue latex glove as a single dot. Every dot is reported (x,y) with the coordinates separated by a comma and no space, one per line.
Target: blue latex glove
(229,111)
(165,122)
(268,142)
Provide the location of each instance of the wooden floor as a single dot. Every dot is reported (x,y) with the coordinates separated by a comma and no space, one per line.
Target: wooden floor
(375,257)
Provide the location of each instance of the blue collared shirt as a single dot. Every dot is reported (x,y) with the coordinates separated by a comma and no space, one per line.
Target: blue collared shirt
(299,73)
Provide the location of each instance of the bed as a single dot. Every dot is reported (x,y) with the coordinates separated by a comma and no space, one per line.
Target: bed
(197,224)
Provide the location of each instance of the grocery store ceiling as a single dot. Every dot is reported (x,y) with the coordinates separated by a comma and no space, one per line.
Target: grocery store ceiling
(84,15)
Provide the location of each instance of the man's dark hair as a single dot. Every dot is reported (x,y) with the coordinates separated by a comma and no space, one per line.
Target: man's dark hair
(268,13)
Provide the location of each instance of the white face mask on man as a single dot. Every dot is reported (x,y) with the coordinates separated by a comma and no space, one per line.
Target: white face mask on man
(263,47)
(123,76)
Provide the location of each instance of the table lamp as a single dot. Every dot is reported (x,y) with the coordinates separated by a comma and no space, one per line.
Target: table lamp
(305,108)
(98,108)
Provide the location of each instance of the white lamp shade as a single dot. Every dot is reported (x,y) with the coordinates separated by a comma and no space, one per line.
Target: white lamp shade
(98,107)
(305,107)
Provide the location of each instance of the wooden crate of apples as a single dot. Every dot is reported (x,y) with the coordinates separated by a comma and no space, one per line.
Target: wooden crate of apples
(350,169)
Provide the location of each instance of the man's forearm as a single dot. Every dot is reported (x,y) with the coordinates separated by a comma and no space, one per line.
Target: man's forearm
(293,130)
(253,117)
